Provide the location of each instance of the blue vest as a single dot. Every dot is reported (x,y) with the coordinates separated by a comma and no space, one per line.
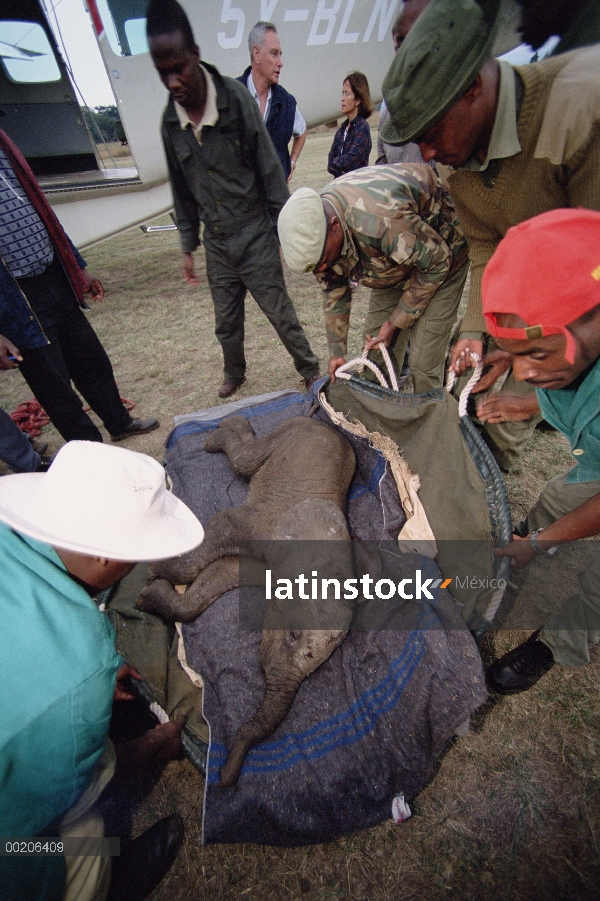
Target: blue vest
(280,121)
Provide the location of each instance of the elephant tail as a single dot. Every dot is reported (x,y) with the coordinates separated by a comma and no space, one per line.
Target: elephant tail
(279,696)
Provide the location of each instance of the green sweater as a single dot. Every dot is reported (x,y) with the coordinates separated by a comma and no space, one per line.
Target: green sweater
(558,166)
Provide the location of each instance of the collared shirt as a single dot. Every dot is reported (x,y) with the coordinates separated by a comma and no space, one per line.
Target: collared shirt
(299,121)
(25,245)
(59,666)
(211,113)
(575,411)
(400,232)
(234,176)
(351,147)
(504,140)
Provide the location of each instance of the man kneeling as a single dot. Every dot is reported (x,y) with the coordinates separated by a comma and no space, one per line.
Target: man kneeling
(541,300)
(64,536)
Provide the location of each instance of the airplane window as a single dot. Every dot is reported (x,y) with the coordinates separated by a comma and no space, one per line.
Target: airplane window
(135,29)
(124,23)
(26,54)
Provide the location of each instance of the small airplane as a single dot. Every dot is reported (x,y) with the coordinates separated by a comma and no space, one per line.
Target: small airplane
(322,41)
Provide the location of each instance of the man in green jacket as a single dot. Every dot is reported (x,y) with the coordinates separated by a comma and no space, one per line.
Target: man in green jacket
(541,300)
(224,173)
(393,229)
(519,140)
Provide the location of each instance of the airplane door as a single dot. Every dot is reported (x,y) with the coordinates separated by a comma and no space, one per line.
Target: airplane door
(38,104)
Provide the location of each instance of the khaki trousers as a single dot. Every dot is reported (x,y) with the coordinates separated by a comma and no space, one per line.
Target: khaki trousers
(88,878)
(570,632)
(429,336)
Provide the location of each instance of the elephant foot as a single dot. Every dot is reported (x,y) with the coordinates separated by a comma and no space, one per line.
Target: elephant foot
(161,599)
(230,773)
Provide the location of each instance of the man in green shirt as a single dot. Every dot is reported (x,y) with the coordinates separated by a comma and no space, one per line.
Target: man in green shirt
(225,173)
(519,141)
(393,229)
(541,300)
(65,535)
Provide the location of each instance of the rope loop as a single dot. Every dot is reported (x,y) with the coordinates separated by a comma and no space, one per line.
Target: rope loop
(465,393)
(358,363)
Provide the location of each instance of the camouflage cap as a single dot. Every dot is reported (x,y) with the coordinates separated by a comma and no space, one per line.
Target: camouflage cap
(302,228)
(436,64)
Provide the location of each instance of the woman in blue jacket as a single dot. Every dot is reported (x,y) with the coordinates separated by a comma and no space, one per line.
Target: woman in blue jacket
(352,143)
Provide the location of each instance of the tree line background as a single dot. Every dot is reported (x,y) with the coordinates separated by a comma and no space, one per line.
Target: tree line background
(104,123)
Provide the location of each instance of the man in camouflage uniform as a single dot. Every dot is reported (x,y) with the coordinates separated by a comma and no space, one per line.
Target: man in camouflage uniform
(393,229)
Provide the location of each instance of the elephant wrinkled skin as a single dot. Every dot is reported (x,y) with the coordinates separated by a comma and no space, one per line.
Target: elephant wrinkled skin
(299,477)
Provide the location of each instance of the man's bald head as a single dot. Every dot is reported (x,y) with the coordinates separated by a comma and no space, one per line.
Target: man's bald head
(408,15)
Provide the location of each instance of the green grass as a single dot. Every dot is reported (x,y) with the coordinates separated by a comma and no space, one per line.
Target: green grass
(514,811)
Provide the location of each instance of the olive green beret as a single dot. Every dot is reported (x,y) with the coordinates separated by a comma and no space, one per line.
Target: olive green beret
(302,227)
(436,64)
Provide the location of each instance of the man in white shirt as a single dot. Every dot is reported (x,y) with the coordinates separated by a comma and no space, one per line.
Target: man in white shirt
(277,106)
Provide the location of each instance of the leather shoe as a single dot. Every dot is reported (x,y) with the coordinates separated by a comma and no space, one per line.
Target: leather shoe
(230,387)
(145,861)
(310,382)
(44,464)
(137,427)
(520,668)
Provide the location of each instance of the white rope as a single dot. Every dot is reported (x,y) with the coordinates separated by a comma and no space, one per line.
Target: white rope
(345,371)
(161,715)
(464,394)
(495,602)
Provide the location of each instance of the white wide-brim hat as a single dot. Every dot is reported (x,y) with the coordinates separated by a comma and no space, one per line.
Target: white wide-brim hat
(101,500)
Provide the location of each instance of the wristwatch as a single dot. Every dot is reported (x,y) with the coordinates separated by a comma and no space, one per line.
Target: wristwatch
(545,552)
(293,164)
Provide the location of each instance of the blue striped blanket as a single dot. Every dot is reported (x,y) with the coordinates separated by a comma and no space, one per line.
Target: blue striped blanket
(370,723)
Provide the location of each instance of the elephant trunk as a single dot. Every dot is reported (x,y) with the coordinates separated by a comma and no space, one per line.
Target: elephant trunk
(279,696)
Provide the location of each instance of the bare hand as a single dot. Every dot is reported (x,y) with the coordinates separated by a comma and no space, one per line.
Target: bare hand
(188,270)
(461,357)
(494,364)
(6,348)
(121,693)
(519,550)
(386,333)
(94,285)
(334,365)
(164,741)
(507,408)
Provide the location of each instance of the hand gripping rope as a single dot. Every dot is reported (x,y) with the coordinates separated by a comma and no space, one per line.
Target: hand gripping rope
(359,363)
(464,394)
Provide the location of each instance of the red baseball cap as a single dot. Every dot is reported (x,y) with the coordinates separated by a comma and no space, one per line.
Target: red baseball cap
(547,271)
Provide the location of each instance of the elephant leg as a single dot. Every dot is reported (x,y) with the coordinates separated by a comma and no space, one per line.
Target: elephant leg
(236,438)
(221,539)
(287,658)
(162,599)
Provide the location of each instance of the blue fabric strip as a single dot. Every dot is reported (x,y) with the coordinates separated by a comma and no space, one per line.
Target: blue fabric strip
(343,729)
(195,428)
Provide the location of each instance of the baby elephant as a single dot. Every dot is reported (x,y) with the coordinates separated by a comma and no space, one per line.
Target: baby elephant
(299,477)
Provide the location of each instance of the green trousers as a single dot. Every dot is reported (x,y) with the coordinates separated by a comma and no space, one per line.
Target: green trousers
(427,338)
(570,632)
(249,261)
(508,439)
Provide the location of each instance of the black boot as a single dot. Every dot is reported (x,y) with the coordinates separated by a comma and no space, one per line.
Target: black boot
(145,861)
(520,668)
